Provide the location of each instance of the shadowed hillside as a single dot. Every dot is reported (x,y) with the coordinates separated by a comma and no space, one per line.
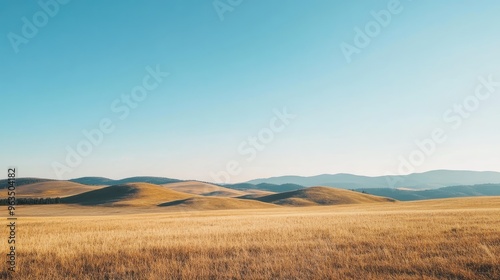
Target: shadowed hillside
(134,194)
(321,196)
(215,203)
(93,181)
(255,194)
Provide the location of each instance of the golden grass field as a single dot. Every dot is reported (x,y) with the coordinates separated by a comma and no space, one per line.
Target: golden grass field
(438,239)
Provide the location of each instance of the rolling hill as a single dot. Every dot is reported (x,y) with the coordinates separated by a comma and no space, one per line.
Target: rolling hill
(408,187)
(23,181)
(205,189)
(321,196)
(132,194)
(94,181)
(51,189)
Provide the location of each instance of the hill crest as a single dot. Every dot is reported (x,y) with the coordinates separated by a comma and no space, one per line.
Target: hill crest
(321,196)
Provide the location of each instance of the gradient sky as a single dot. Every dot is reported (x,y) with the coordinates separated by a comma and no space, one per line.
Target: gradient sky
(228,76)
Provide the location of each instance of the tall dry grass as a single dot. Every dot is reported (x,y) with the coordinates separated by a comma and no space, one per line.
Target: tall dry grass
(449,239)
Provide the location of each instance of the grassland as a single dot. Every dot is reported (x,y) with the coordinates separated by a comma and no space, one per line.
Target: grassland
(441,239)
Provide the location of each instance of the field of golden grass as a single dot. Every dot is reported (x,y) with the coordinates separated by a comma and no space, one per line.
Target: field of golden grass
(440,239)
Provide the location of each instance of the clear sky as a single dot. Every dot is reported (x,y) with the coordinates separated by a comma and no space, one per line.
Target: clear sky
(231,68)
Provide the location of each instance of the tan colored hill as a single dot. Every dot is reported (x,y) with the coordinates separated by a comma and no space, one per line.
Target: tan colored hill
(322,196)
(51,189)
(215,203)
(251,194)
(133,194)
(205,189)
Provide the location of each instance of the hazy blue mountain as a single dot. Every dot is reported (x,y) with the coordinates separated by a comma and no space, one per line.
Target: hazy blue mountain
(446,192)
(428,180)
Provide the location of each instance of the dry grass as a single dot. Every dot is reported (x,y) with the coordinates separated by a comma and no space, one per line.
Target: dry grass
(445,239)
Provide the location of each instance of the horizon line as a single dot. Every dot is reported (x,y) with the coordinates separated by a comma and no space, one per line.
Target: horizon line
(262,178)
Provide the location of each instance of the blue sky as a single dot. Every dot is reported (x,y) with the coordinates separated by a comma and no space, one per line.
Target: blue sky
(228,77)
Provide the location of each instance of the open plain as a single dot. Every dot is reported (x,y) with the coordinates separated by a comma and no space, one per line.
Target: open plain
(434,239)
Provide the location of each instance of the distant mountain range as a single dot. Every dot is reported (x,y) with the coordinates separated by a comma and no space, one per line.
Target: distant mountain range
(418,181)
(446,192)
(428,185)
